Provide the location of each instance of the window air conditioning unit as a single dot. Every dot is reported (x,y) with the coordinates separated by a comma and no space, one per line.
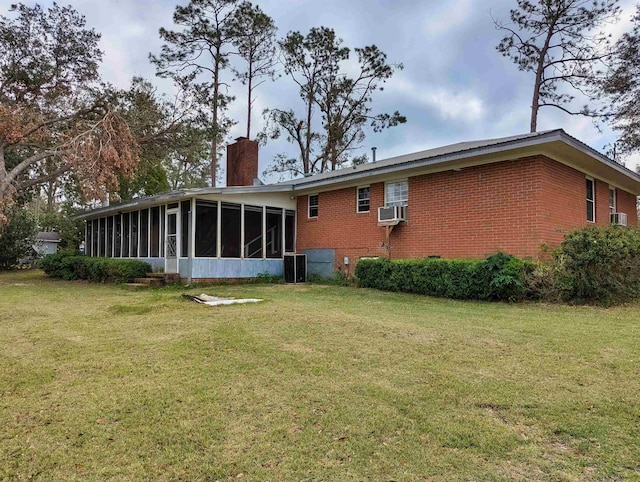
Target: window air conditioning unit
(619,219)
(392,214)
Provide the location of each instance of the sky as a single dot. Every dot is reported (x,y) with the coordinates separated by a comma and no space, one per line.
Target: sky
(454,87)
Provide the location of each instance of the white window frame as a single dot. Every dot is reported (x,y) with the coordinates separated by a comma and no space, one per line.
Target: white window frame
(358,199)
(396,203)
(613,206)
(317,206)
(593,201)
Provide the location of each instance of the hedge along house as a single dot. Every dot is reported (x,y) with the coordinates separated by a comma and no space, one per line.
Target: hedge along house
(518,194)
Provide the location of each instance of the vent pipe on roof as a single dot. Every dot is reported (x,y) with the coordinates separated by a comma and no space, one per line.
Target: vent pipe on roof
(373,153)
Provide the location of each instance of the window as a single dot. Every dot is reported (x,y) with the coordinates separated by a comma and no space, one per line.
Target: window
(87,238)
(396,193)
(591,204)
(110,236)
(231,230)
(313,206)
(154,248)
(185,214)
(117,239)
(289,231)
(253,232)
(206,229)
(144,233)
(134,234)
(95,238)
(612,200)
(126,235)
(364,201)
(274,232)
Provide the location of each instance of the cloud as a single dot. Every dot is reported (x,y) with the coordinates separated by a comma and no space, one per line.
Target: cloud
(448,103)
(447,16)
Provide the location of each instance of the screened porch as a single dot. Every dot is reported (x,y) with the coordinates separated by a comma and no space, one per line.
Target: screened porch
(199,238)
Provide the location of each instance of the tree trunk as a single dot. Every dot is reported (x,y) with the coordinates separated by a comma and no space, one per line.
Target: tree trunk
(51,195)
(3,172)
(250,83)
(214,141)
(535,102)
(306,155)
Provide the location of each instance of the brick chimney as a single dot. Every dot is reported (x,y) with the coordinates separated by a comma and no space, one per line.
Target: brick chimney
(242,162)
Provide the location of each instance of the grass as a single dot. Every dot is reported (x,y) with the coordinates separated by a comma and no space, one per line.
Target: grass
(315,383)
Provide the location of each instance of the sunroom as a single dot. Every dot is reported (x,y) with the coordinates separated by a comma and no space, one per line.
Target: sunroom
(202,234)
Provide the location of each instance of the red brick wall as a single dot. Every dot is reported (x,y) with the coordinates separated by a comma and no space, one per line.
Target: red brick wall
(242,162)
(627,203)
(513,206)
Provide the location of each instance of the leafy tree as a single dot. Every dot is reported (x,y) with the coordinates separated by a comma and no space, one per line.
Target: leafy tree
(17,236)
(254,36)
(56,116)
(195,56)
(71,230)
(561,43)
(174,141)
(623,86)
(186,164)
(316,63)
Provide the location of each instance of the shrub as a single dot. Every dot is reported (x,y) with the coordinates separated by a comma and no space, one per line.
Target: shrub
(97,270)
(268,278)
(500,277)
(601,265)
(17,236)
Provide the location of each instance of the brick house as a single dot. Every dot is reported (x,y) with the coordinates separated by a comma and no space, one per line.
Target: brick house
(518,194)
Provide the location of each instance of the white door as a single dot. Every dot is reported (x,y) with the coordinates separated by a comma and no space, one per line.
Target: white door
(171,243)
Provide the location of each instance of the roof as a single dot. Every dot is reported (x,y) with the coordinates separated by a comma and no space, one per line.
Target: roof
(405,159)
(554,143)
(455,153)
(48,236)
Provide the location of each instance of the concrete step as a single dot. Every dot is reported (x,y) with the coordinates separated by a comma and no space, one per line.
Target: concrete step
(167,277)
(150,281)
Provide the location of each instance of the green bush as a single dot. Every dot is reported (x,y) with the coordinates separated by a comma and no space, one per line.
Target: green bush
(500,277)
(97,270)
(17,235)
(601,265)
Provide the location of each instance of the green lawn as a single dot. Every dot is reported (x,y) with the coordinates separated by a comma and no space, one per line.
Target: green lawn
(316,383)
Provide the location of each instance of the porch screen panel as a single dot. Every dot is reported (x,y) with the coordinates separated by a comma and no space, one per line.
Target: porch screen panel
(155,232)
(95,236)
(117,227)
(87,238)
(144,233)
(290,231)
(231,230)
(274,233)
(206,241)
(109,236)
(253,232)
(103,236)
(185,208)
(134,234)
(126,235)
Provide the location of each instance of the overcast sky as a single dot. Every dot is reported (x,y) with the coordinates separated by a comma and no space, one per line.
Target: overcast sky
(455,86)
